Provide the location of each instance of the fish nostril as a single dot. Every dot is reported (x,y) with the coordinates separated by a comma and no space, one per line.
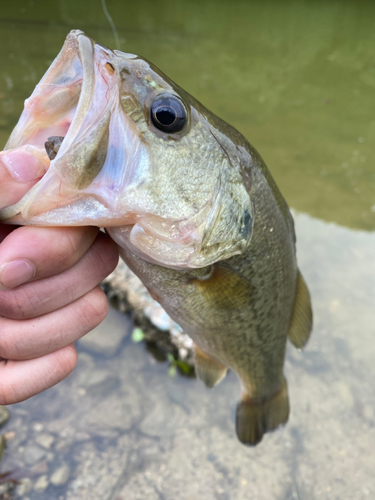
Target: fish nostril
(109,68)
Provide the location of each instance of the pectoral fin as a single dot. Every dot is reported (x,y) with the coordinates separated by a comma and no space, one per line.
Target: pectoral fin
(208,370)
(226,288)
(301,323)
(257,416)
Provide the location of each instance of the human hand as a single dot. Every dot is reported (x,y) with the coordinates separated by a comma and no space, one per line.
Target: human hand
(49,293)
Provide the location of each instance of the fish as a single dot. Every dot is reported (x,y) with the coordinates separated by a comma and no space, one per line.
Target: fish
(191,204)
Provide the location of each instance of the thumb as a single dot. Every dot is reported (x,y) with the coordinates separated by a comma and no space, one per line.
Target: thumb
(20,169)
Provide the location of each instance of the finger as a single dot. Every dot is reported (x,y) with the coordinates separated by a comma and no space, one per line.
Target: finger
(32,338)
(19,171)
(32,253)
(49,294)
(20,380)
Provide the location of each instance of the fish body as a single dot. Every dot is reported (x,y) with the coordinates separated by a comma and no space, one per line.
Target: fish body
(191,204)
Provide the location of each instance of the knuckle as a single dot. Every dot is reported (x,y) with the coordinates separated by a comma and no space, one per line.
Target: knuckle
(12,308)
(5,345)
(9,348)
(8,394)
(71,245)
(105,255)
(66,360)
(68,294)
(76,239)
(17,304)
(94,309)
(10,305)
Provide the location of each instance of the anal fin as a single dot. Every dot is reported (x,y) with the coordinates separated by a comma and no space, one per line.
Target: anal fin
(301,323)
(210,371)
(255,416)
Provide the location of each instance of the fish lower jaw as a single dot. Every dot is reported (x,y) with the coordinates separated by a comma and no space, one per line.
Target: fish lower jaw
(35,208)
(180,254)
(152,249)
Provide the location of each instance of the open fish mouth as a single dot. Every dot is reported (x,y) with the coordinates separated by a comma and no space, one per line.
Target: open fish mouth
(75,112)
(90,125)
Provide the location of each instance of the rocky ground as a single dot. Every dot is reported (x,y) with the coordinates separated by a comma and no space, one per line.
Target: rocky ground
(128,294)
(125,426)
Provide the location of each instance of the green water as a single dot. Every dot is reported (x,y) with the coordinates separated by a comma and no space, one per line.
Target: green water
(297,78)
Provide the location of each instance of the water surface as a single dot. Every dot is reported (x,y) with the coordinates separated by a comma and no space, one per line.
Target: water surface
(296,78)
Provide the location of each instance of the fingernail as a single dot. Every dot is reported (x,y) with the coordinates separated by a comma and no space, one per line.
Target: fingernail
(15,273)
(23,166)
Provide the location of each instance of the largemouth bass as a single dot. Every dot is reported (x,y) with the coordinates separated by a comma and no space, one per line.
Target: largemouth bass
(191,204)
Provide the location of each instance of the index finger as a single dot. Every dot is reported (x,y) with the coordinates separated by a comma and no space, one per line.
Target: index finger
(31,253)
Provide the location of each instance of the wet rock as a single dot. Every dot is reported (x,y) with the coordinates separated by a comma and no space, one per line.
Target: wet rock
(3,445)
(96,378)
(39,468)
(6,490)
(61,475)
(345,393)
(38,427)
(92,380)
(33,454)
(4,415)
(129,294)
(42,484)
(108,385)
(159,423)
(25,487)
(9,436)
(50,457)
(45,440)
(108,336)
(117,414)
(98,382)
(368,412)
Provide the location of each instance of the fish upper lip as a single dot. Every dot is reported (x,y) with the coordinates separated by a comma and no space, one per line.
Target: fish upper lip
(84,48)
(81,46)
(78,98)
(86,57)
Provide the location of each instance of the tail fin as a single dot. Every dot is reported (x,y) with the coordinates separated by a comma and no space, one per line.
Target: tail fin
(256,417)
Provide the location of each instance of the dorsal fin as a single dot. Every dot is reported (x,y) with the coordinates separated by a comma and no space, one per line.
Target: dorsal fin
(302,320)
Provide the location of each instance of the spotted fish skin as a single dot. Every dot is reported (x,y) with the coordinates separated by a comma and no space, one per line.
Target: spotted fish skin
(191,204)
(239,311)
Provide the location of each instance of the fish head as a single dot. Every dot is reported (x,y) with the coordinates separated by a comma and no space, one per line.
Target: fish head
(136,155)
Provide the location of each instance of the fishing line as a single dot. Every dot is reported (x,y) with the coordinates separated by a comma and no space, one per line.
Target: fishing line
(110,20)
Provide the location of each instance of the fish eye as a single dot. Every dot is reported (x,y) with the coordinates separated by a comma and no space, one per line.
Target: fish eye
(168,114)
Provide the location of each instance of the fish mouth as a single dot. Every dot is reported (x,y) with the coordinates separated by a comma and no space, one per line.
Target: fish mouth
(78,101)
(103,172)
